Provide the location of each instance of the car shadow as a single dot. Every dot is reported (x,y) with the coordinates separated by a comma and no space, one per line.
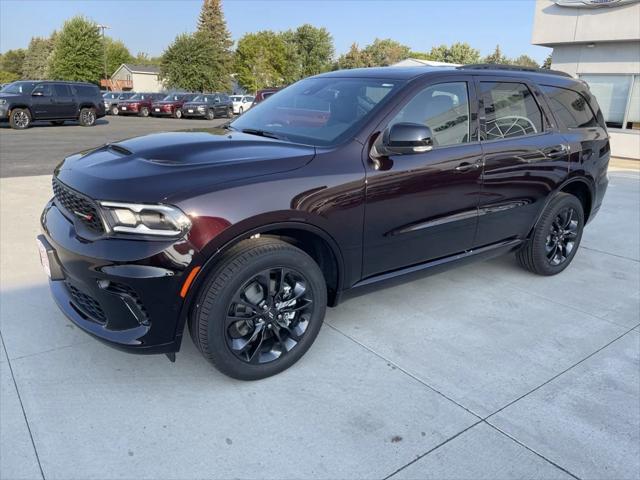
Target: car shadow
(48,124)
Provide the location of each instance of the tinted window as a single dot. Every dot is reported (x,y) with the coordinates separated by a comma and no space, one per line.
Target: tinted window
(317,111)
(569,107)
(86,90)
(43,88)
(62,90)
(248,99)
(225,98)
(18,87)
(444,108)
(510,110)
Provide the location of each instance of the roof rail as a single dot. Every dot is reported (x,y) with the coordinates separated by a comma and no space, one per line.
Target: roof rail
(514,68)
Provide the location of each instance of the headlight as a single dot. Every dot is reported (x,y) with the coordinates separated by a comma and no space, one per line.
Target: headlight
(142,219)
(201,108)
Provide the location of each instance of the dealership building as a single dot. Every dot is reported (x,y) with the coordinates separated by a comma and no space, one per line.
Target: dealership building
(599,42)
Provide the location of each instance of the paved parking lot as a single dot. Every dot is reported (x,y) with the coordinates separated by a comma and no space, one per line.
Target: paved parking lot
(481,372)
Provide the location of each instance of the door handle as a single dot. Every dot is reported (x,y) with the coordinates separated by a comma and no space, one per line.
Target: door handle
(556,151)
(466,166)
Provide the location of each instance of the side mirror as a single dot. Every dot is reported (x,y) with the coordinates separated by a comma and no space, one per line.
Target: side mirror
(406,138)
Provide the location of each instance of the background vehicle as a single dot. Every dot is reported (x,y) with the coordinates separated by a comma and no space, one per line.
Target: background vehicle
(23,102)
(171,104)
(209,106)
(111,100)
(139,104)
(341,181)
(241,103)
(265,93)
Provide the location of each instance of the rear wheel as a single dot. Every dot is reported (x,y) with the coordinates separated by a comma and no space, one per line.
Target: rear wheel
(87,117)
(114,110)
(20,118)
(556,237)
(144,112)
(260,309)
(211,114)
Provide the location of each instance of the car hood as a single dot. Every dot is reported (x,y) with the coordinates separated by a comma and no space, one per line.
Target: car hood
(195,104)
(177,165)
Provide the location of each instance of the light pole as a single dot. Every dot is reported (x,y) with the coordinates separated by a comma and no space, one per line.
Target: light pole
(104,48)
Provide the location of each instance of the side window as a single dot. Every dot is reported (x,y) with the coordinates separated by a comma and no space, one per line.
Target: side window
(44,89)
(569,107)
(62,90)
(510,110)
(444,108)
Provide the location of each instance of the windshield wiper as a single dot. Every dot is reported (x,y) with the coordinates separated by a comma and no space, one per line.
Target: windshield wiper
(263,133)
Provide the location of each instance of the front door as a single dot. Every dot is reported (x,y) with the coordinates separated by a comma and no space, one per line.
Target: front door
(525,158)
(43,104)
(423,206)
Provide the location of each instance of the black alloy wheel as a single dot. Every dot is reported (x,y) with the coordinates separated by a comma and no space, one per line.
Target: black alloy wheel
(555,238)
(20,118)
(260,309)
(87,117)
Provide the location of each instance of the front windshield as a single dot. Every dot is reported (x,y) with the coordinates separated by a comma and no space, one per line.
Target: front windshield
(318,111)
(138,96)
(172,98)
(19,87)
(124,96)
(201,98)
(235,98)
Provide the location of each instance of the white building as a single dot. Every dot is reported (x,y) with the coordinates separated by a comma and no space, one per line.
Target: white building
(139,78)
(599,42)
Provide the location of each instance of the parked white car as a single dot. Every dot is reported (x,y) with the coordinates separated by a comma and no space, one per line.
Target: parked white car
(241,103)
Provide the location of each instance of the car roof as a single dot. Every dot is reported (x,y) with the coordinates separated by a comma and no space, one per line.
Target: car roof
(552,77)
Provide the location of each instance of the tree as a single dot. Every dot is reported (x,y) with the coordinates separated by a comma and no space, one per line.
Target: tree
(117,53)
(312,48)
(525,61)
(262,60)
(460,53)
(382,53)
(12,61)
(547,62)
(213,26)
(37,58)
(354,58)
(143,58)
(496,57)
(78,53)
(8,77)
(186,64)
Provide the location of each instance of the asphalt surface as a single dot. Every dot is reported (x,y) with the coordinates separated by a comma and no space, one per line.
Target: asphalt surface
(482,372)
(37,150)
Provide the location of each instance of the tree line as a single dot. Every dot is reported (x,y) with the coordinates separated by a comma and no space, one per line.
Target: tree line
(206,61)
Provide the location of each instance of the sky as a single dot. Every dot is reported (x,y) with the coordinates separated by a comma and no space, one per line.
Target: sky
(150,25)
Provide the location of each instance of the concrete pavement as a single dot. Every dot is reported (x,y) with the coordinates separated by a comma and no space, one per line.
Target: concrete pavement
(481,372)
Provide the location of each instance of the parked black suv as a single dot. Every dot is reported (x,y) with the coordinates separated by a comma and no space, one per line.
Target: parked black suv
(209,106)
(24,102)
(340,181)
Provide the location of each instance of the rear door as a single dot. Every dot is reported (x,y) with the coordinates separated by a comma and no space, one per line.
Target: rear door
(525,157)
(66,103)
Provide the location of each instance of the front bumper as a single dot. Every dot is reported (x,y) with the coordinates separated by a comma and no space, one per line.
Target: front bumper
(161,112)
(128,110)
(193,113)
(124,292)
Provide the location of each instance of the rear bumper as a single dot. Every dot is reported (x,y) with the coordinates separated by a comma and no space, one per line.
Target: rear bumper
(125,293)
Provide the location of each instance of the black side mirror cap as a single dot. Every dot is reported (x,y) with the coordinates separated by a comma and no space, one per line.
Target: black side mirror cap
(404,138)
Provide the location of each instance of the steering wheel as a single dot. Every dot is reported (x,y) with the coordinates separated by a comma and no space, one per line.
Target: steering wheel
(510,126)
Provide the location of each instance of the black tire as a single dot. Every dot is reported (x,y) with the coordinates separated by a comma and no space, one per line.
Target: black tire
(240,111)
(556,237)
(87,117)
(57,122)
(237,269)
(20,118)
(114,110)
(229,113)
(177,113)
(144,112)
(211,114)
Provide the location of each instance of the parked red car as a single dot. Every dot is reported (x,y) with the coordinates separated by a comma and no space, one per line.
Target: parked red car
(171,105)
(139,104)
(263,94)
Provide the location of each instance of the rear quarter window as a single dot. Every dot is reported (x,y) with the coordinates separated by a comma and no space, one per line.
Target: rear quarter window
(569,107)
(86,90)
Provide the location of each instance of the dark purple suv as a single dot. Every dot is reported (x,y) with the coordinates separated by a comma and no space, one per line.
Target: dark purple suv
(339,182)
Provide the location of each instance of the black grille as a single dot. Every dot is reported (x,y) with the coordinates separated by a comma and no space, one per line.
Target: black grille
(86,304)
(80,207)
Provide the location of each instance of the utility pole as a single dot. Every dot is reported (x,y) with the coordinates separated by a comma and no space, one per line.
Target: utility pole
(104,49)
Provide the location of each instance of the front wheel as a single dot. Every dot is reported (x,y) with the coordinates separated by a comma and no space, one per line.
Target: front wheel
(177,113)
(144,112)
(260,309)
(20,118)
(556,237)
(241,111)
(87,117)
(114,110)
(211,114)
(229,113)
